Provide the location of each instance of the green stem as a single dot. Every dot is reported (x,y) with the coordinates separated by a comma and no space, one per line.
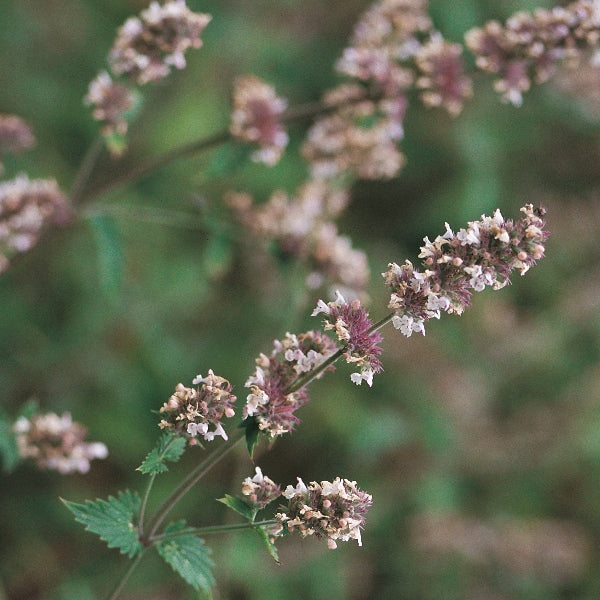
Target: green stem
(142,512)
(295,113)
(189,482)
(382,322)
(85,169)
(160,161)
(132,567)
(210,530)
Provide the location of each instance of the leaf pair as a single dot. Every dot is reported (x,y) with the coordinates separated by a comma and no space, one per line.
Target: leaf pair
(114,521)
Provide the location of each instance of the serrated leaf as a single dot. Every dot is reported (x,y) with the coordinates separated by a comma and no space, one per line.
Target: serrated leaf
(188,556)
(112,520)
(9,453)
(239,506)
(272,550)
(169,448)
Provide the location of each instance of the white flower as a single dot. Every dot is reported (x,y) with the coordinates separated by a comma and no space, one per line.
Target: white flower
(253,400)
(290,491)
(407,324)
(365,375)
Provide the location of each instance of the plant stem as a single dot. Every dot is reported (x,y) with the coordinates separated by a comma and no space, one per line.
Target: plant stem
(295,113)
(85,169)
(212,529)
(142,512)
(160,161)
(132,567)
(382,322)
(189,482)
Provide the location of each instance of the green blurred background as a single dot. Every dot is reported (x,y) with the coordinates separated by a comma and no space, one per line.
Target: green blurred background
(480,442)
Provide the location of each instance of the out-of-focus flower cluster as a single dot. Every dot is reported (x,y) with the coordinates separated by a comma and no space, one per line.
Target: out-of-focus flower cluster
(56,443)
(272,401)
(260,490)
(111,102)
(145,50)
(554,551)
(256,118)
(353,328)
(332,510)
(16,135)
(26,207)
(530,47)
(394,48)
(148,46)
(303,226)
(484,254)
(192,411)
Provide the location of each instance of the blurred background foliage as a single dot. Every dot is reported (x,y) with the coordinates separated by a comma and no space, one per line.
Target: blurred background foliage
(480,442)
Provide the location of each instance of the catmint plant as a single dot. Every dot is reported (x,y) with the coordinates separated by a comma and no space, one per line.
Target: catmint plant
(395,56)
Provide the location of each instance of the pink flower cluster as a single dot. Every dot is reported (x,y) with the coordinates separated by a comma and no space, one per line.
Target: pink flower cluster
(191,411)
(26,208)
(260,490)
(302,226)
(148,46)
(271,401)
(334,510)
(354,331)
(256,118)
(56,443)
(530,47)
(455,265)
(145,50)
(394,49)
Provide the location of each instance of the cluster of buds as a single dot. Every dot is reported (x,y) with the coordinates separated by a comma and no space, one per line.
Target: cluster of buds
(442,80)
(260,490)
(145,50)
(482,255)
(111,102)
(26,207)
(272,401)
(56,443)
(256,118)
(530,47)
(16,135)
(148,46)
(354,331)
(360,136)
(393,49)
(302,226)
(192,411)
(332,510)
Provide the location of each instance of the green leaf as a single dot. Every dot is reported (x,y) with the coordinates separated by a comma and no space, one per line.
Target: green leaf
(8,446)
(112,520)
(264,536)
(252,431)
(110,253)
(239,506)
(169,448)
(188,556)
